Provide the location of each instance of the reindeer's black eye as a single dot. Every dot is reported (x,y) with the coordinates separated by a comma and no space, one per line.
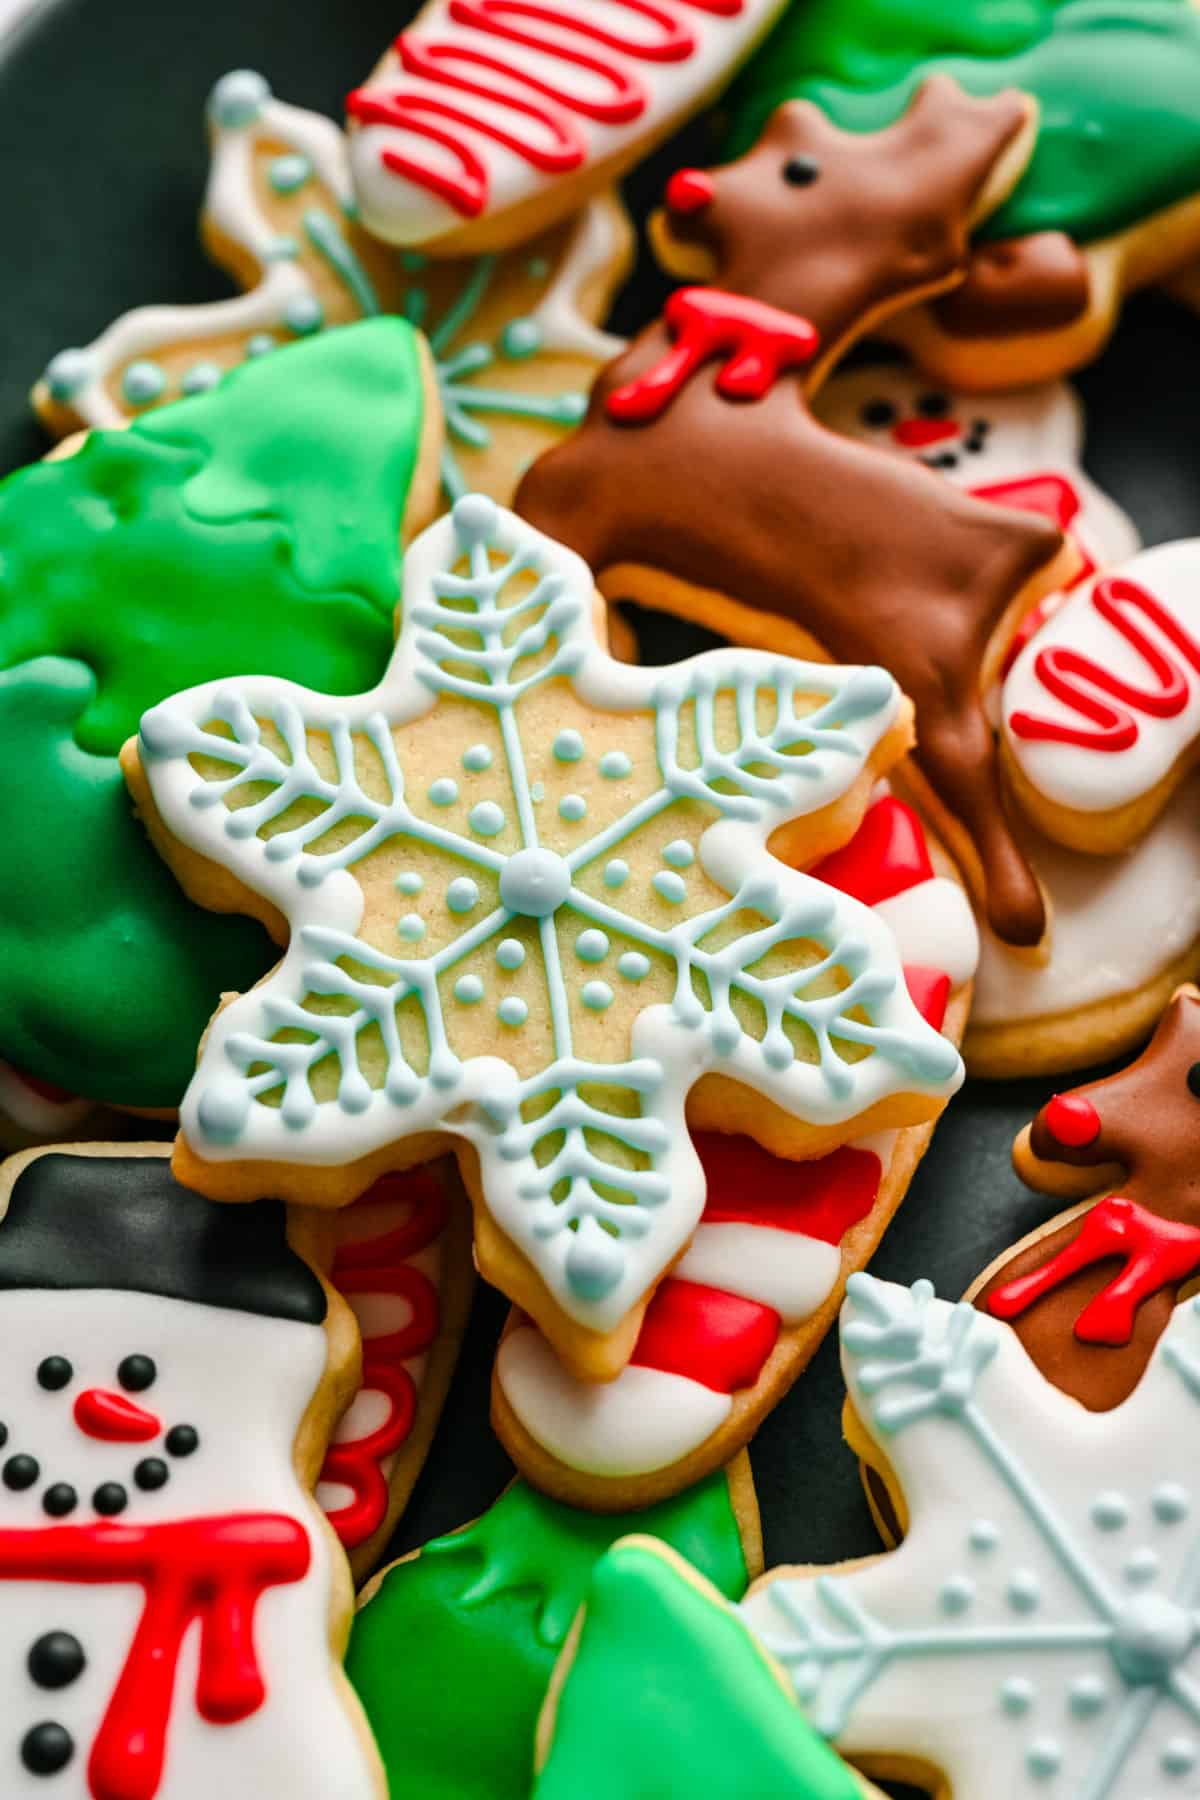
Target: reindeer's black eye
(877,415)
(801,171)
(933,405)
(1193,1079)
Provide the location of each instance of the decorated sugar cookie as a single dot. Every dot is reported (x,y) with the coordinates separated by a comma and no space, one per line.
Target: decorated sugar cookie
(259,526)
(742,1313)
(487,122)
(529,910)
(515,339)
(491,1606)
(174,1607)
(1111,197)
(700,483)
(1036,1630)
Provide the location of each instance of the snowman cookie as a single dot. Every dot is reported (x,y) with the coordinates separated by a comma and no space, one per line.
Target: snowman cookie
(530,910)
(174,1606)
(515,340)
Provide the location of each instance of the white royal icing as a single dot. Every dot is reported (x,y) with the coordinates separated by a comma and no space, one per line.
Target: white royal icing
(934,927)
(785,1270)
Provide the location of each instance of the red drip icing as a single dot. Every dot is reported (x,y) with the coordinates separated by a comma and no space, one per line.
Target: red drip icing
(1156,1253)
(1081,683)
(113,1418)
(757,341)
(1051,497)
(719,1340)
(555,146)
(1072,1120)
(819,1199)
(209,1570)
(886,856)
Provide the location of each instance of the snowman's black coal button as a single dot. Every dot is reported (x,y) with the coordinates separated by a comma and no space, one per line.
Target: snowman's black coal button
(56,1660)
(151,1473)
(109,1498)
(136,1373)
(60,1500)
(54,1372)
(181,1440)
(20,1472)
(47,1749)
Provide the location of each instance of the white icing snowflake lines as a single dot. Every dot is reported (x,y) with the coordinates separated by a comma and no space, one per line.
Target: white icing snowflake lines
(1038,1631)
(487,837)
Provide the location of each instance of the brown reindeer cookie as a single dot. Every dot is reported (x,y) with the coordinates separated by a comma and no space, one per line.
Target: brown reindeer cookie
(719,497)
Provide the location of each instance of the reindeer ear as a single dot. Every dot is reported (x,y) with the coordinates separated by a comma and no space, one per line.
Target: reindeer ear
(973,150)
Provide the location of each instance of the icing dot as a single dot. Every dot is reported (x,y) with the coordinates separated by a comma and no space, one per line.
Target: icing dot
(1024,1591)
(238,98)
(1109,1511)
(56,1660)
(304,314)
(20,1472)
(510,953)
(412,927)
(443,792)
(1170,1503)
(512,1010)
(1141,1567)
(476,758)
(568,409)
(487,819)
(1178,1756)
(66,373)
(47,1748)
(182,1440)
(679,854)
(200,377)
(260,343)
(409,882)
(983,1535)
(413,261)
(137,1373)
(616,873)
(1044,1757)
(282,249)
(142,382)
(109,1499)
(537,792)
(521,338)
(1086,1696)
(53,1373)
(223,1110)
(591,946)
(462,894)
(475,517)
(468,989)
(535,883)
(597,996)
(1017,1695)
(594,1262)
(287,173)
(59,1500)
(956,1594)
(572,807)
(669,887)
(633,965)
(568,747)
(615,765)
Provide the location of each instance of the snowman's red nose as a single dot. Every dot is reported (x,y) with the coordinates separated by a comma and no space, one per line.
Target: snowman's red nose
(919,434)
(114,1418)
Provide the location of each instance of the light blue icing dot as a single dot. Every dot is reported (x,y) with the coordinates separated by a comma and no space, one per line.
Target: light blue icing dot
(223,1110)
(412,927)
(512,1010)
(475,518)
(1170,1503)
(568,409)
(260,343)
(1017,1696)
(284,249)
(616,873)
(510,953)
(572,807)
(443,792)
(1109,1511)
(1141,1567)
(66,373)
(537,268)
(409,882)
(1178,1756)
(238,98)
(1086,1696)
(1024,1591)
(462,894)
(568,747)
(287,173)
(142,382)
(487,819)
(521,338)
(1044,1757)
(200,377)
(956,1594)
(534,883)
(983,1535)
(468,989)
(476,758)
(591,946)
(633,965)
(596,995)
(679,854)
(304,314)
(615,765)
(669,887)
(537,792)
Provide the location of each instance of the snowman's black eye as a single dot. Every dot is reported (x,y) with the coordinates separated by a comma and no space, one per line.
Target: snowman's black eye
(54,1372)
(1193,1079)
(877,415)
(801,171)
(137,1373)
(933,405)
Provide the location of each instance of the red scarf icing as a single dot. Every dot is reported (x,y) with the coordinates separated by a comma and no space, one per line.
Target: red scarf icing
(758,342)
(211,1570)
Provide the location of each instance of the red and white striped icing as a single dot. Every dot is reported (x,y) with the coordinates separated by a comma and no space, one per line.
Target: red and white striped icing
(765,1256)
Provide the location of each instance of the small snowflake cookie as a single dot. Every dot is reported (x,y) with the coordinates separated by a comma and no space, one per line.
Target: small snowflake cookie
(1038,1630)
(515,339)
(530,909)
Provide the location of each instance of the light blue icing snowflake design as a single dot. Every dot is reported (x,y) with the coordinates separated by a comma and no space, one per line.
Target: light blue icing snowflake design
(1038,1631)
(511,906)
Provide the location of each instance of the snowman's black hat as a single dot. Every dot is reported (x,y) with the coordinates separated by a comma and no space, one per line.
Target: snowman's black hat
(79,1221)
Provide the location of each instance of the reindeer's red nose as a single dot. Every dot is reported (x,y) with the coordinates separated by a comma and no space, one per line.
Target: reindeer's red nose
(114,1418)
(688,190)
(1072,1120)
(919,434)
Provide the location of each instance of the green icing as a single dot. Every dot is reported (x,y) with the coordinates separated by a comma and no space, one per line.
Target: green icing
(668,1698)
(252,528)
(1118,86)
(453,1655)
